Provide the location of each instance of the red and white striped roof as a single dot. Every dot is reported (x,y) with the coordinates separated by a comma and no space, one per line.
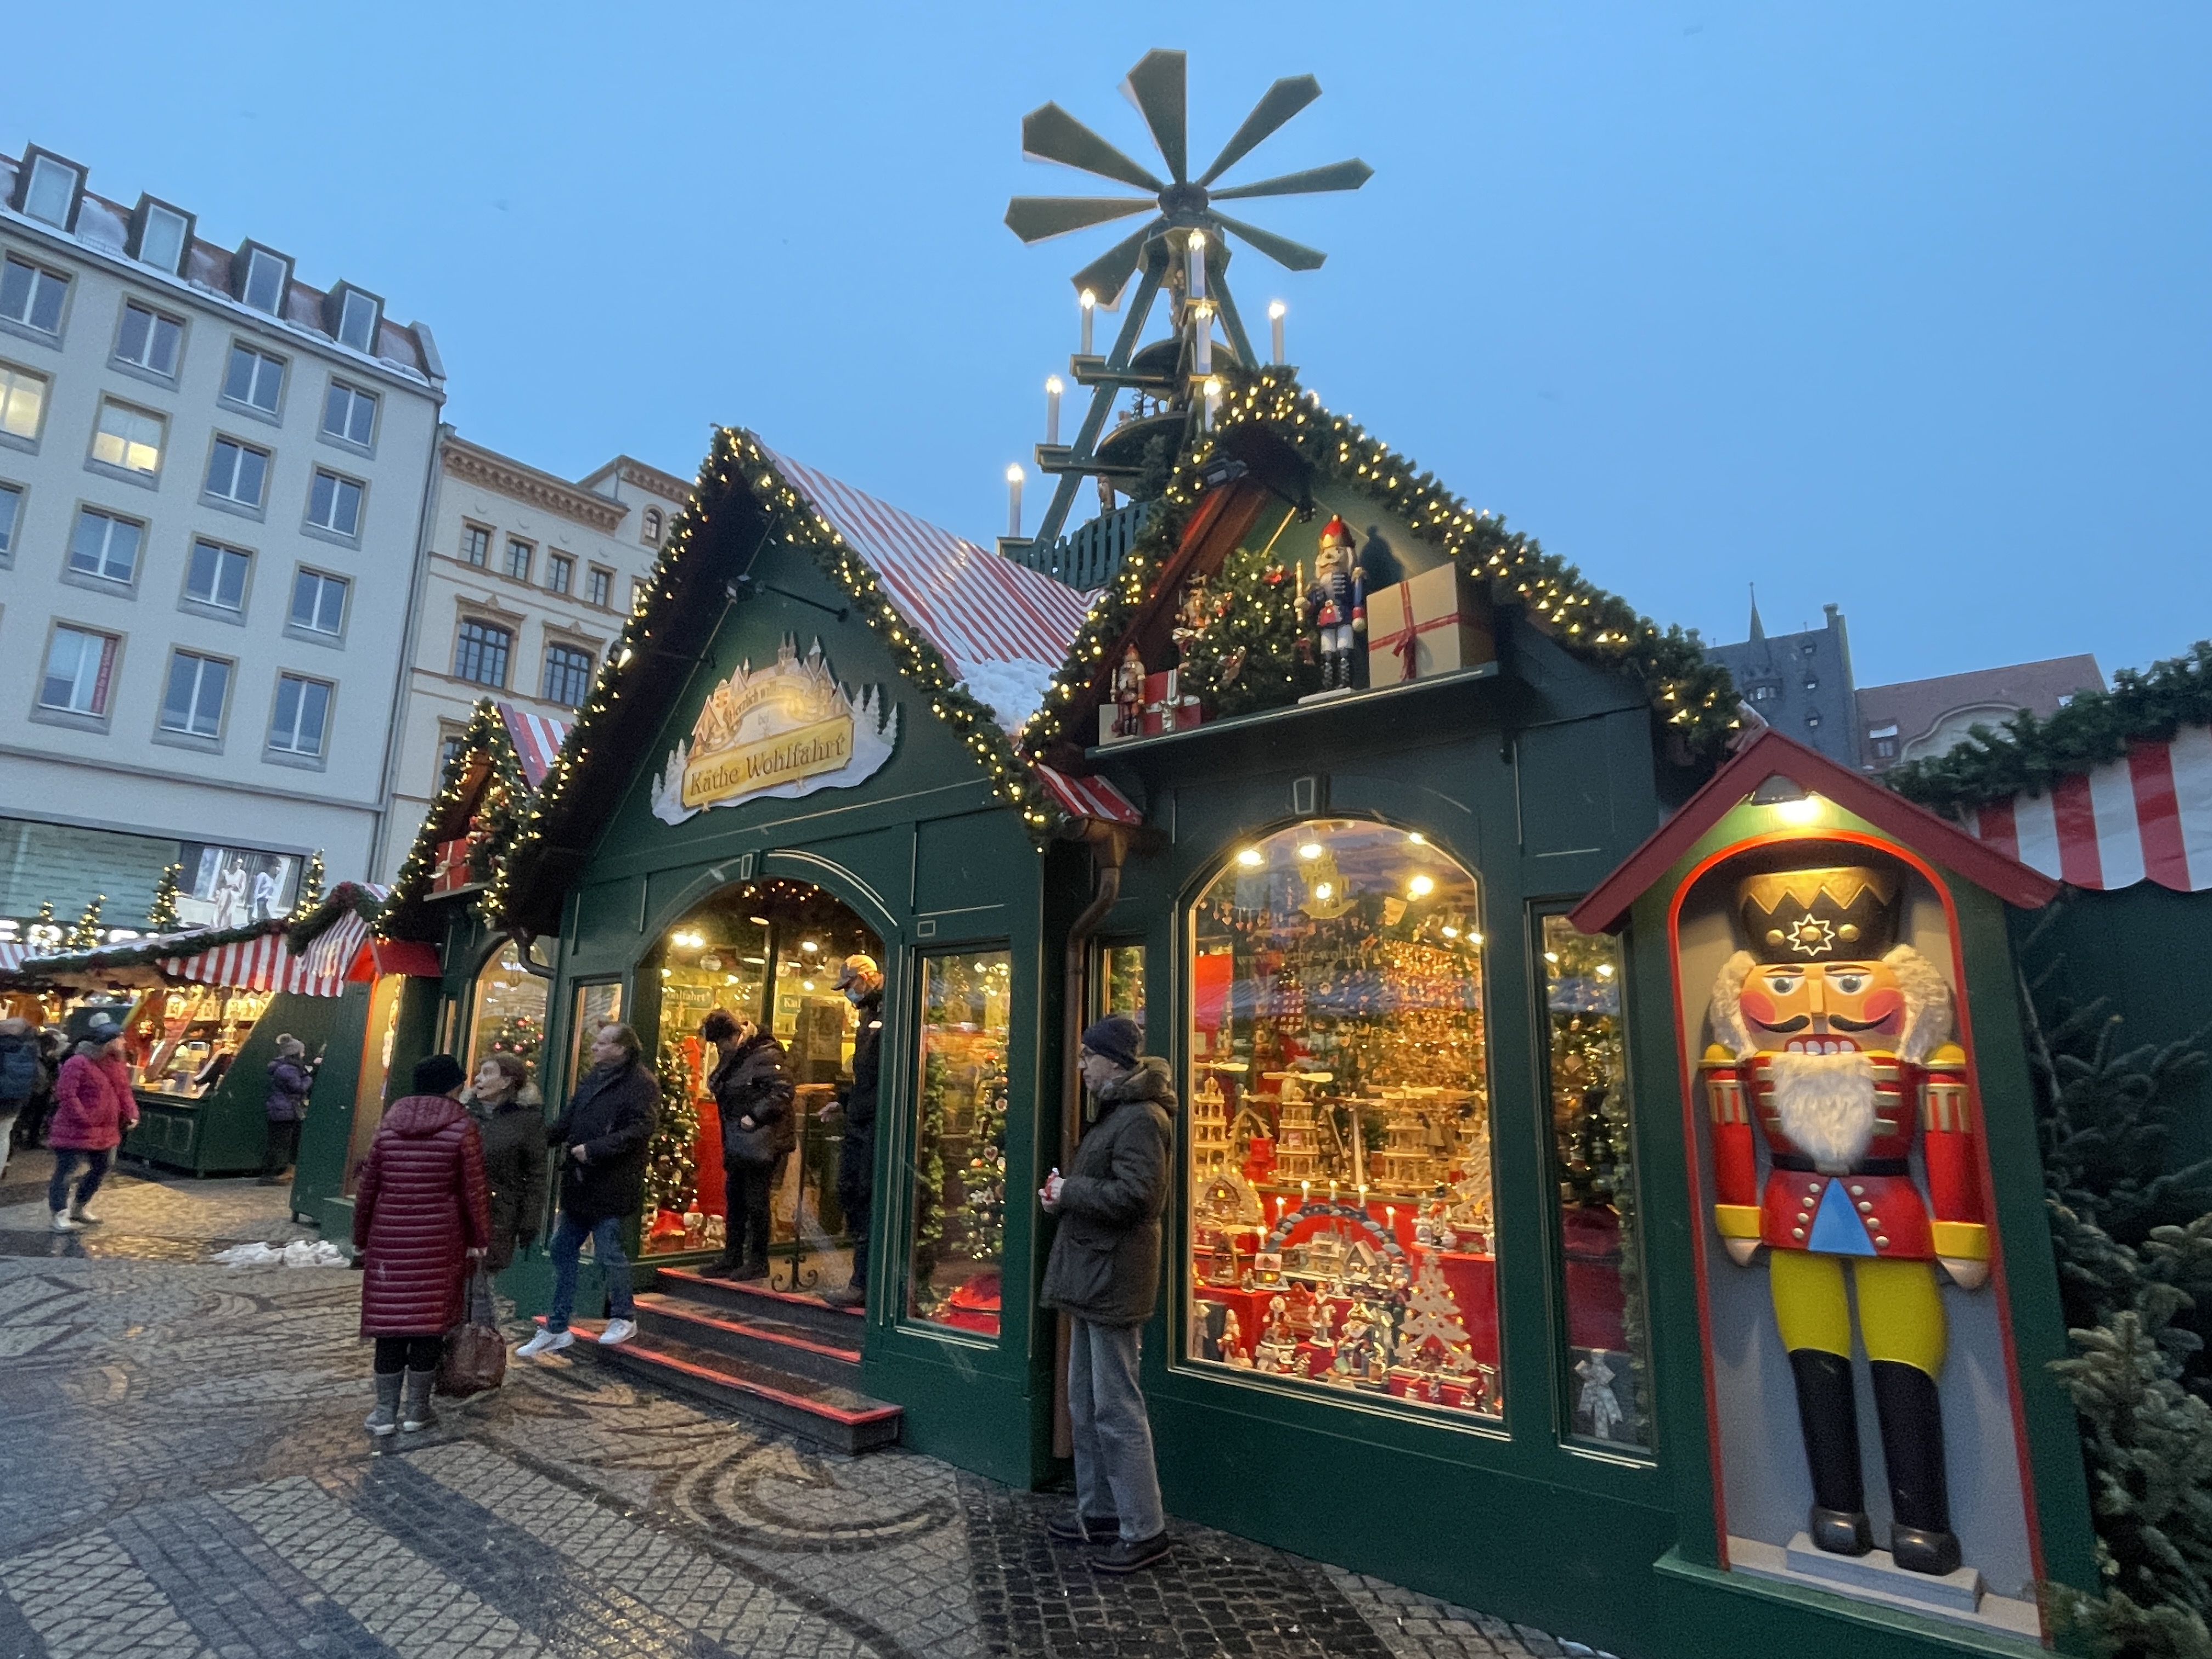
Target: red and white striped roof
(267,963)
(973,605)
(12,952)
(2145,817)
(1087,798)
(537,740)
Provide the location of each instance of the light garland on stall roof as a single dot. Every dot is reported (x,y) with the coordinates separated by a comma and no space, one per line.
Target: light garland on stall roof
(486,735)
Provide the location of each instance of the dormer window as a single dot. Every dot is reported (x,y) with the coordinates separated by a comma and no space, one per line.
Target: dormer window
(352,314)
(50,188)
(159,235)
(266,275)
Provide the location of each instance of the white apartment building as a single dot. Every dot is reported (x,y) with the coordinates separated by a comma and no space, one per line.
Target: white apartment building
(213,489)
(525,583)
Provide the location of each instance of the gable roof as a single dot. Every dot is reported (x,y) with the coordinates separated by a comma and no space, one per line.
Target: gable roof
(312,953)
(1770,754)
(501,745)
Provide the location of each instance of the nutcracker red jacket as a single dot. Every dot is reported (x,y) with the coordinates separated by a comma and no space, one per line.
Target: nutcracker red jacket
(422,1207)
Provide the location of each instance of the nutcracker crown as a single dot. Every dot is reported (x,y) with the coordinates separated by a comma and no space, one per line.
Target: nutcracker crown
(1334,534)
(1847,912)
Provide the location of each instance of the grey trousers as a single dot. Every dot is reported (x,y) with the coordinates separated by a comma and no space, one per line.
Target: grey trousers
(1114,1470)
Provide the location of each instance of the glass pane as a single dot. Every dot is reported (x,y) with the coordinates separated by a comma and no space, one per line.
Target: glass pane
(162,244)
(207,717)
(253,466)
(166,335)
(286,723)
(177,705)
(509,1013)
(238,377)
(1121,989)
(22,396)
(348,519)
(137,326)
(330,605)
(1339,1226)
(960,1142)
(53,187)
(222,465)
(10,499)
(314,703)
(303,599)
(264,281)
(361,419)
(268,383)
(1606,1357)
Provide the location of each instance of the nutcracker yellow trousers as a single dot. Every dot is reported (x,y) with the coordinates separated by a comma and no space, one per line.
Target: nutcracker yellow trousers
(1900,1309)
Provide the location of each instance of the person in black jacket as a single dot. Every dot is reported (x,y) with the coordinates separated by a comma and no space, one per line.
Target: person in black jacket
(510,1116)
(862,983)
(291,1076)
(602,1139)
(752,1089)
(19,1077)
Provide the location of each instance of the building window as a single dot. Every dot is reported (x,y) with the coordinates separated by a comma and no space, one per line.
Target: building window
(560,572)
(128,438)
(1812,720)
(303,708)
(267,275)
(216,576)
(22,401)
(1338,1116)
(1606,1360)
(1882,739)
(960,1141)
(162,238)
(1812,684)
(334,504)
(449,744)
(1767,693)
(149,340)
(11,510)
(518,558)
(599,586)
(106,546)
(193,702)
(480,654)
(358,317)
(350,413)
(52,193)
(236,472)
(79,666)
(639,587)
(254,379)
(318,602)
(475,544)
(32,295)
(568,675)
(652,527)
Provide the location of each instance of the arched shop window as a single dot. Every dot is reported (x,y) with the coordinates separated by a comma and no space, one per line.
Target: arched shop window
(1340,1221)
(508,1012)
(1608,1355)
(960,1141)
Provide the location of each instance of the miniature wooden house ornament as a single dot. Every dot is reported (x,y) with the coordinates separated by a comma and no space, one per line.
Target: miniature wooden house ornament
(1868,1273)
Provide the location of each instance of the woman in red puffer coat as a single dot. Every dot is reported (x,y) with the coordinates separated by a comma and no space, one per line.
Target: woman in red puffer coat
(93,1107)
(421,1212)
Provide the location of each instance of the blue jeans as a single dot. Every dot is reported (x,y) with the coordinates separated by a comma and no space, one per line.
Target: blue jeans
(1114,1470)
(65,1162)
(607,1246)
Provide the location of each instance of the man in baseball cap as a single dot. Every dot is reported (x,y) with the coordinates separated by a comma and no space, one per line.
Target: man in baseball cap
(862,983)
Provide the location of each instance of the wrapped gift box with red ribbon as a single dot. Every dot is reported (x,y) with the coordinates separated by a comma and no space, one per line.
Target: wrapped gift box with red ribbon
(1165,709)
(1437,623)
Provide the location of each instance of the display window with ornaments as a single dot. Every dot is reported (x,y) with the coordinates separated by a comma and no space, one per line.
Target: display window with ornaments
(506,1016)
(958,1214)
(1340,1220)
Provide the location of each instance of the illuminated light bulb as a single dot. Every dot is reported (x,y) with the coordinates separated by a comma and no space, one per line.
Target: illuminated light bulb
(1417,838)
(807,985)
(1420,887)
(1310,850)
(1552,957)
(1250,858)
(1451,933)
(1475,938)
(1605,970)
(1324,890)
(1802,812)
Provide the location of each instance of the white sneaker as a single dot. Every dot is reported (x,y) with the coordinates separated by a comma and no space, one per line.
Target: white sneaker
(63,1224)
(617,1330)
(85,1217)
(544,1342)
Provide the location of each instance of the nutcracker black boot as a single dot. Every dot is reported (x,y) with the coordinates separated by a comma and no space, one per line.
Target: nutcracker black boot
(1920,1540)
(1828,1413)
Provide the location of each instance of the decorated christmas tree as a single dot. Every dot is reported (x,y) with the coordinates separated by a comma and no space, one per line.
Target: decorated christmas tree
(85,934)
(982,1214)
(161,914)
(1253,653)
(45,933)
(672,1167)
(521,1036)
(1431,1316)
(311,885)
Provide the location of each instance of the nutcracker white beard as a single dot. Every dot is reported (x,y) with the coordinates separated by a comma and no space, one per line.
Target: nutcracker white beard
(1825,1104)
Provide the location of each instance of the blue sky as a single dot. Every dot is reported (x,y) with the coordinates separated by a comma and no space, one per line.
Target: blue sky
(1908,307)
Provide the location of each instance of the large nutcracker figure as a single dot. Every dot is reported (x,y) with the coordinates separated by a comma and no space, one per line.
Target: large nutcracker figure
(1336,607)
(1836,1041)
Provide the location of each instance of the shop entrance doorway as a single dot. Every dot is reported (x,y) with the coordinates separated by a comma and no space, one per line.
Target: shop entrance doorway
(770,953)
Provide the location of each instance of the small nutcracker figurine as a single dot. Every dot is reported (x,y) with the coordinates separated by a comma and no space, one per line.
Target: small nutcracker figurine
(1833,1044)
(1129,695)
(1336,607)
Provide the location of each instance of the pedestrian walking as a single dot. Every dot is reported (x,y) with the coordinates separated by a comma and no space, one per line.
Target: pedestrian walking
(862,983)
(601,1139)
(19,1079)
(752,1090)
(290,1078)
(38,1117)
(94,1109)
(1104,1275)
(420,1213)
(510,1116)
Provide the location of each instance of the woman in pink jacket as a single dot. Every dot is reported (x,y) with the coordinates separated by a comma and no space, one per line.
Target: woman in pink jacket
(93,1107)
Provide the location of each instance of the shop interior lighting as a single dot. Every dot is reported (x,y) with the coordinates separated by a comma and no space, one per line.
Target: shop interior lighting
(756,960)
(807,985)
(1420,887)
(759,922)
(1417,838)
(1251,858)
(1605,970)
(807,945)
(1475,938)
(1310,850)
(1325,890)
(1805,809)
(1552,957)
(1451,933)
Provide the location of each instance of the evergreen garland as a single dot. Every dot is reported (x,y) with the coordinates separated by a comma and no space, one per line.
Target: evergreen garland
(1249,656)
(672,1164)
(1694,698)
(2134,1242)
(499,803)
(2027,756)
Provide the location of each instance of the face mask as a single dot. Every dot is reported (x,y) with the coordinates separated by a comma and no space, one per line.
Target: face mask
(854,993)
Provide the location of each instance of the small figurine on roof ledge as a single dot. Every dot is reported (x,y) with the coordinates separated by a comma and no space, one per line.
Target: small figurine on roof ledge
(1129,695)
(1336,607)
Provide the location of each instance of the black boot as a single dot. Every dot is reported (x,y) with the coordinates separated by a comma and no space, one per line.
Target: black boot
(1828,1413)
(1920,1540)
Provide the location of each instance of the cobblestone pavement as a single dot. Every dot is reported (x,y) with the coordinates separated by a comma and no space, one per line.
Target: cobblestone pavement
(185,1476)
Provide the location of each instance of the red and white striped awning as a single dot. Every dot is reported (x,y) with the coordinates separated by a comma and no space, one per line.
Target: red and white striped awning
(267,963)
(12,952)
(2145,817)
(537,740)
(1087,798)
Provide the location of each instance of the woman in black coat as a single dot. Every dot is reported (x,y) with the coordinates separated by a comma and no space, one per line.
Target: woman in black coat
(752,1090)
(601,1140)
(510,1115)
